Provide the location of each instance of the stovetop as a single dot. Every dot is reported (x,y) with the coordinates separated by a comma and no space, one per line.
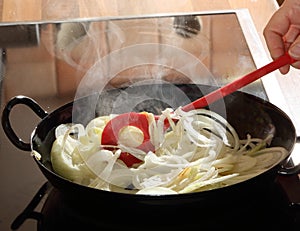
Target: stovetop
(47,61)
(272,210)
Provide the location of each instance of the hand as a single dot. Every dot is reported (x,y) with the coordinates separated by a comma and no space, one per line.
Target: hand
(282,33)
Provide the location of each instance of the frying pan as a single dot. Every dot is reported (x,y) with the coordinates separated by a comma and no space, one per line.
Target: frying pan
(247,114)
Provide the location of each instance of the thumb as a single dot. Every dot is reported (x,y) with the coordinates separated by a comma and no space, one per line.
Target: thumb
(294,50)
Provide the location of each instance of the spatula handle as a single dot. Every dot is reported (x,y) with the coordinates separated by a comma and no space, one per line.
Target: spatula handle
(239,83)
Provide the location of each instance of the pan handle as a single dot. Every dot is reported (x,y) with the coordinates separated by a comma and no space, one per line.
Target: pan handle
(291,165)
(10,133)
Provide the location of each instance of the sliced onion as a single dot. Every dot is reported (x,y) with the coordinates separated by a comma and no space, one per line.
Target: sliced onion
(270,158)
(156,191)
(200,151)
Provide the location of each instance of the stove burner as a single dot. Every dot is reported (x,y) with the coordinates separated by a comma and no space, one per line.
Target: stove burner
(28,212)
(271,211)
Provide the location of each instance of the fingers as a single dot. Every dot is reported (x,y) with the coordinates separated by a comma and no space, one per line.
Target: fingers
(274,33)
(284,70)
(292,40)
(294,52)
(282,33)
(294,49)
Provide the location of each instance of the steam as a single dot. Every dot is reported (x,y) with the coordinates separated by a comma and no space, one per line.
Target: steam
(116,54)
(143,64)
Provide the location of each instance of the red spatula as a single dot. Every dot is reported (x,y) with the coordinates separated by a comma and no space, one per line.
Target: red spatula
(139,120)
(239,83)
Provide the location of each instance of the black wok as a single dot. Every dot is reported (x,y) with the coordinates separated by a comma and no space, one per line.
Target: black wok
(247,114)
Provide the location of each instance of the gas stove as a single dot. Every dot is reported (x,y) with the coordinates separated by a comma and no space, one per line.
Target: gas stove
(272,210)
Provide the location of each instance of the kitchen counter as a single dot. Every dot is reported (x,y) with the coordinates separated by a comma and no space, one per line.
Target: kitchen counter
(12,12)
(44,10)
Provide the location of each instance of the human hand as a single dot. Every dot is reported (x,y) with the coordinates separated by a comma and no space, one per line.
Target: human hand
(282,33)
